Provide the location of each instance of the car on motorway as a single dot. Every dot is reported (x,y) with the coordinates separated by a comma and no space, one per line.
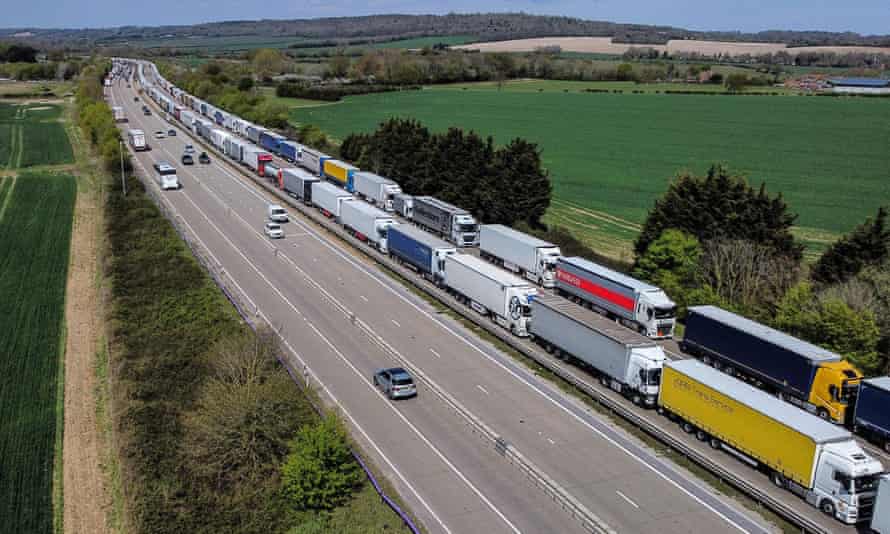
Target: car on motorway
(204,158)
(187,159)
(164,167)
(189,149)
(273,230)
(146,112)
(171,133)
(135,99)
(160,135)
(395,383)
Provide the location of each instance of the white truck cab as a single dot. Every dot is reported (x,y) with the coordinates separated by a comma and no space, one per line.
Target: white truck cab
(846,482)
(465,231)
(656,313)
(547,268)
(276,213)
(644,372)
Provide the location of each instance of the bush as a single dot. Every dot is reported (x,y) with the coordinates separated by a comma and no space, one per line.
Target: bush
(320,472)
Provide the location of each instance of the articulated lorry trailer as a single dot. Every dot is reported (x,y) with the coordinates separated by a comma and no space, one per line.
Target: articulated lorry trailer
(871,417)
(525,255)
(623,359)
(424,252)
(367,223)
(880,518)
(298,183)
(376,189)
(814,459)
(446,220)
(339,172)
(312,160)
(635,304)
(801,373)
(329,198)
(491,291)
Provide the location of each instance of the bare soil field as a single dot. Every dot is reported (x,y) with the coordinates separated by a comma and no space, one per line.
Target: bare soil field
(604,45)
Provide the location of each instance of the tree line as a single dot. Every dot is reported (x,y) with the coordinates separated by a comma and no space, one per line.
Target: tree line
(715,239)
(504,185)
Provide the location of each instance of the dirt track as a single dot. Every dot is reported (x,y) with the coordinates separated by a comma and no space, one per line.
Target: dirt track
(604,45)
(85,497)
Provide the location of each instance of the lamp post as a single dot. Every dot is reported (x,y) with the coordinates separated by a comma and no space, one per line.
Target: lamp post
(123,176)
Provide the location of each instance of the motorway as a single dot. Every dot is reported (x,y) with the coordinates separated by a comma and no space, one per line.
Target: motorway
(452,480)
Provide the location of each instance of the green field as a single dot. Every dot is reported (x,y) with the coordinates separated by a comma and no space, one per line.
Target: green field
(611,155)
(417,42)
(36,213)
(32,135)
(230,43)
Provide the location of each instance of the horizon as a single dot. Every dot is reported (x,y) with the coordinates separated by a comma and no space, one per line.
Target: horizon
(699,15)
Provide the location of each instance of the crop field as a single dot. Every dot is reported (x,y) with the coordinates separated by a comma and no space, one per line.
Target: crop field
(417,42)
(31,135)
(228,43)
(36,213)
(611,155)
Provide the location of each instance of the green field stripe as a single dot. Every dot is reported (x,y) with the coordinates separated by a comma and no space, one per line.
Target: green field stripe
(6,186)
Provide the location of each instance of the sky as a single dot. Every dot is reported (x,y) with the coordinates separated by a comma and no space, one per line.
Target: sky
(862,16)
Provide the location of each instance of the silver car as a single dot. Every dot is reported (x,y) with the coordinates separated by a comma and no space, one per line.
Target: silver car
(274,231)
(395,383)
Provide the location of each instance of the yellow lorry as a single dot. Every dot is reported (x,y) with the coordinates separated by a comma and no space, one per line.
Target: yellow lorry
(814,459)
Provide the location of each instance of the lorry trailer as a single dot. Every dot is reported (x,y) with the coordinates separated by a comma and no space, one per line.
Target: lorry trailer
(312,160)
(623,359)
(270,141)
(423,251)
(367,223)
(289,150)
(136,138)
(635,304)
(339,172)
(298,183)
(329,198)
(814,459)
(801,373)
(376,189)
(872,412)
(446,220)
(525,255)
(880,518)
(490,291)
(255,158)
(403,204)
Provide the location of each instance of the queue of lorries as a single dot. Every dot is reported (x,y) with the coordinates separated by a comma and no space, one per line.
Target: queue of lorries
(772,400)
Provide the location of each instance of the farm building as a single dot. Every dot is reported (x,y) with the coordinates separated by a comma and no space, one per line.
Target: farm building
(875,86)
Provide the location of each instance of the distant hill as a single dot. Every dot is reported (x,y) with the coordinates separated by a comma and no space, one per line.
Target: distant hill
(486,27)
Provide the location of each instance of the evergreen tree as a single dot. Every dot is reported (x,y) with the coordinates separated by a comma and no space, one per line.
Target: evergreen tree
(868,244)
(721,205)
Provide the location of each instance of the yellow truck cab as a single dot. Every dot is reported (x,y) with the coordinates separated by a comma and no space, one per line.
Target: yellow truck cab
(834,389)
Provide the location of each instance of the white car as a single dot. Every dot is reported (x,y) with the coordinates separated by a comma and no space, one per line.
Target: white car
(273,230)
(160,135)
(189,149)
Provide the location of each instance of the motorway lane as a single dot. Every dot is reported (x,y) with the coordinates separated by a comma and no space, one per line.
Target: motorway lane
(315,329)
(612,485)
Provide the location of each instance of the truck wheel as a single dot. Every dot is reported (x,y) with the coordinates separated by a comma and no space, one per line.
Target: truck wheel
(701,435)
(687,427)
(887,446)
(827,508)
(778,479)
(604,381)
(637,399)
(714,443)
(822,413)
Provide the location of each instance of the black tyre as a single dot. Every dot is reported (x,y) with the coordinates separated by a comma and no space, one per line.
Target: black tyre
(827,508)
(701,435)
(778,479)
(714,443)
(687,427)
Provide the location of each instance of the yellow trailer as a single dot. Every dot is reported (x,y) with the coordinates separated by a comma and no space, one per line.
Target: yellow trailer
(340,172)
(817,460)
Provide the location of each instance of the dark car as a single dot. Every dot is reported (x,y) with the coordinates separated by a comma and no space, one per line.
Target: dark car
(146,111)
(204,158)
(395,383)
(171,133)
(187,159)
(135,99)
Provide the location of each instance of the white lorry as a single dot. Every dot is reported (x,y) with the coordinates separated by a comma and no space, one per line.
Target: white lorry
(118,113)
(376,189)
(367,223)
(136,138)
(490,291)
(623,359)
(329,198)
(880,519)
(446,220)
(525,255)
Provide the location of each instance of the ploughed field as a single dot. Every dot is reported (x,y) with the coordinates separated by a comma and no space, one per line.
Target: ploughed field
(36,211)
(32,135)
(611,155)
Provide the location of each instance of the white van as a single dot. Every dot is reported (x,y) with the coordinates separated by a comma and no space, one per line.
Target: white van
(168,181)
(277,213)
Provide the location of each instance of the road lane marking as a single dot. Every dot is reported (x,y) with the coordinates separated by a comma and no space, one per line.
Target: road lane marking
(551,441)
(395,323)
(626,498)
(436,354)
(482,389)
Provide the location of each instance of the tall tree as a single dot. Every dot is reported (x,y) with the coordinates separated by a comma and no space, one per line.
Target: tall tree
(868,244)
(721,205)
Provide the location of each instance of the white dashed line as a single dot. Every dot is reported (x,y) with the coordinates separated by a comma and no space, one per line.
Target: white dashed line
(626,498)
(395,323)
(364,298)
(482,389)
(436,354)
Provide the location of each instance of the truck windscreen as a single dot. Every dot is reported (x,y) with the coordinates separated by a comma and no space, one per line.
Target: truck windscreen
(666,313)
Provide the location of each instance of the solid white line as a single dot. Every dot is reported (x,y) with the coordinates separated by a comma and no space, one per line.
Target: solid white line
(395,323)
(482,389)
(626,498)
(348,363)
(436,354)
